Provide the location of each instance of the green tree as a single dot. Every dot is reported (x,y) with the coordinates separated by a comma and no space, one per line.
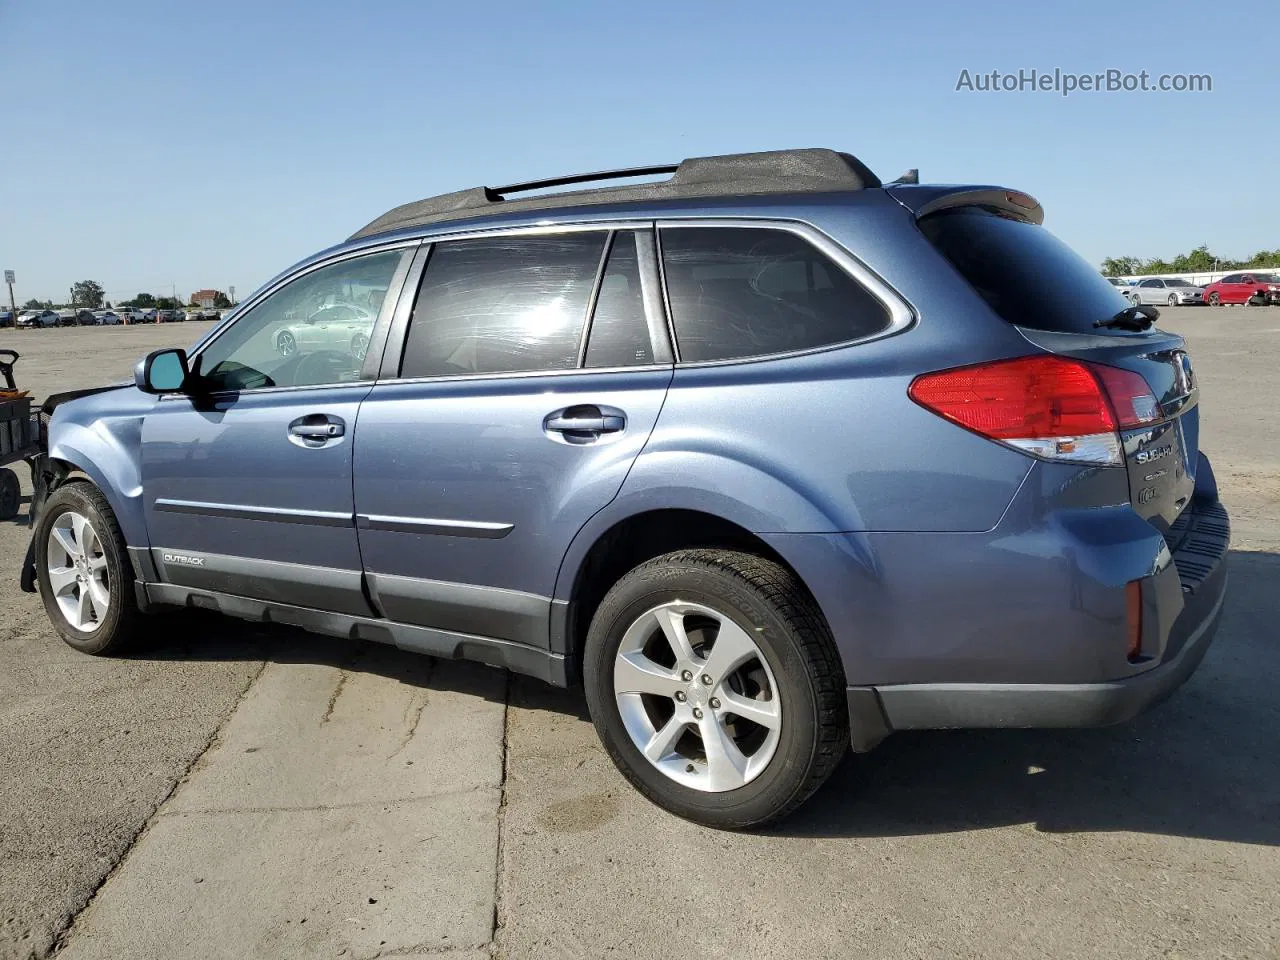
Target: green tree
(220,301)
(167,303)
(87,293)
(1263,258)
(33,304)
(1120,266)
(145,300)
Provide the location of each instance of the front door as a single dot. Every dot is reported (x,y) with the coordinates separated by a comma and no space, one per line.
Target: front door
(505,425)
(247,478)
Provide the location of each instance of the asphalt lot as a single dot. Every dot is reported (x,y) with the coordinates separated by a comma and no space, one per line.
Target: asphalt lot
(246,791)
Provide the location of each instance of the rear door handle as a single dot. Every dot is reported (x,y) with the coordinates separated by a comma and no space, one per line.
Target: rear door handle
(316,430)
(584,423)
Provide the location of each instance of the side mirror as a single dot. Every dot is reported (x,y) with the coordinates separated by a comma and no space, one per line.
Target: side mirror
(163,371)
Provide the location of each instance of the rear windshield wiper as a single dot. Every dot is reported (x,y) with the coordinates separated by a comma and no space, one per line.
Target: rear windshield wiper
(1133,317)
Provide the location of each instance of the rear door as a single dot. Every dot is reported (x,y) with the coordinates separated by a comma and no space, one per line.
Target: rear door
(1232,289)
(1007,260)
(530,376)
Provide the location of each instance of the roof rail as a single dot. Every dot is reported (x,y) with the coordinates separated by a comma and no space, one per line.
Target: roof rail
(499,193)
(738,174)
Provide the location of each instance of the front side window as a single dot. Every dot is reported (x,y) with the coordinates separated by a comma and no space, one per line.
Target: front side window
(313,331)
(738,292)
(505,304)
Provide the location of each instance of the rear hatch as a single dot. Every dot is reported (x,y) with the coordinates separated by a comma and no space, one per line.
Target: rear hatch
(1056,301)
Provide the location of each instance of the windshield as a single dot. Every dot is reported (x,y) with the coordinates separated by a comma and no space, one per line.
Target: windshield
(1026,274)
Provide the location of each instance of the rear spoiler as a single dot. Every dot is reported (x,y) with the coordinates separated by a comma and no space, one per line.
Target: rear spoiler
(924,200)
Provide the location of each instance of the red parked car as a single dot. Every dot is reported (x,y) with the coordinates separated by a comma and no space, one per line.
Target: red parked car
(1256,288)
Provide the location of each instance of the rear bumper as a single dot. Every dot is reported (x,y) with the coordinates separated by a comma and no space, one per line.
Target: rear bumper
(1197,571)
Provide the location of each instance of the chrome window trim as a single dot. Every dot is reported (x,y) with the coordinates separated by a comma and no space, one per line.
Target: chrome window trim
(547,227)
(524,374)
(585,333)
(901,315)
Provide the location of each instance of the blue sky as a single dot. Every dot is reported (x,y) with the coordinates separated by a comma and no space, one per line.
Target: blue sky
(213,144)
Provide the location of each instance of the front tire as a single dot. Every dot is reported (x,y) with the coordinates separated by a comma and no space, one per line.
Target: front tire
(1215,300)
(715,686)
(83,570)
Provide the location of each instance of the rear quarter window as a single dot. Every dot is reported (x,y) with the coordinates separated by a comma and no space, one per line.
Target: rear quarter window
(740,292)
(1024,273)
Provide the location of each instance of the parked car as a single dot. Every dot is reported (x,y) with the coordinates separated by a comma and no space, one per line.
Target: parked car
(30,319)
(701,444)
(6,318)
(1122,285)
(87,318)
(108,318)
(1165,291)
(167,316)
(334,326)
(68,318)
(1244,288)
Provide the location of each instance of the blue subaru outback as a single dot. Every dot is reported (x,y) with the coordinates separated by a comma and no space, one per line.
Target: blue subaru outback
(772,457)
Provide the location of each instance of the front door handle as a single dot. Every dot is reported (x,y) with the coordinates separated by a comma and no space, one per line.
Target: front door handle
(584,423)
(316,430)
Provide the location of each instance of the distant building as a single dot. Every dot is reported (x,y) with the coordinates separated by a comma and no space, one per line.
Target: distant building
(206,298)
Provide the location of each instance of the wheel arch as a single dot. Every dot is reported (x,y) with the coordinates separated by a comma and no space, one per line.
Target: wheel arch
(88,455)
(611,545)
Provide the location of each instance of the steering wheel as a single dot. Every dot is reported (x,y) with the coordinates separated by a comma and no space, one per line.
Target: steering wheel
(321,367)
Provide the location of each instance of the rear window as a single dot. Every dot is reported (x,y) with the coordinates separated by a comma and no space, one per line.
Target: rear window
(1026,274)
(738,292)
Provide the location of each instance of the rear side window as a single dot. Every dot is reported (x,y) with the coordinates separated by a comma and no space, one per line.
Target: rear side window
(503,305)
(738,292)
(1026,274)
(619,334)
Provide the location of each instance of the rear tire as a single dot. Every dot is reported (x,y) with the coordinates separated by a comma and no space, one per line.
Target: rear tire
(85,578)
(780,663)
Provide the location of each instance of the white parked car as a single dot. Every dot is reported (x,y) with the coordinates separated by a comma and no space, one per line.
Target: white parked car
(1165,292)
(30,319)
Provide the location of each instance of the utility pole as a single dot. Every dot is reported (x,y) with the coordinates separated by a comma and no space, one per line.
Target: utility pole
(13,310)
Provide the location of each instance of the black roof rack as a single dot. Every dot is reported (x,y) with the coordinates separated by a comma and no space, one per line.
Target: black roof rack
(738,174)
(500,193)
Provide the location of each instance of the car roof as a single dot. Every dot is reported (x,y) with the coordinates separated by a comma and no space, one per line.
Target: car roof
(810,170)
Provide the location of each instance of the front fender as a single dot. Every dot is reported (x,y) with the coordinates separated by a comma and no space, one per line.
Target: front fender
(106,449)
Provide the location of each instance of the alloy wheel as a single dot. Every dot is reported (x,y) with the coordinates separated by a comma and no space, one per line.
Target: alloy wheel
(697,697)
(286,346)
(359,346)
(78,574)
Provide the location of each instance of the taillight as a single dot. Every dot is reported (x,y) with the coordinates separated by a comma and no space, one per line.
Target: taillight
(1045,405)
(1133,619)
